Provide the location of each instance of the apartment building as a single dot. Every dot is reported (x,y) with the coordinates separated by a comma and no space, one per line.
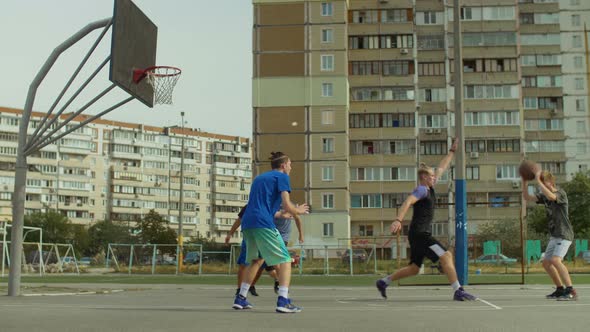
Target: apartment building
(119,171)
(525,94)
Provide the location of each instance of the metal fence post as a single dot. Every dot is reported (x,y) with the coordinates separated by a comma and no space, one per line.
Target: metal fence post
(154,259)
(130,259)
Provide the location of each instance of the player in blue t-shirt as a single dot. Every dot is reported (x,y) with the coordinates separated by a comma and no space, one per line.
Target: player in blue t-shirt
(422,244)
(268,191)
(283,222)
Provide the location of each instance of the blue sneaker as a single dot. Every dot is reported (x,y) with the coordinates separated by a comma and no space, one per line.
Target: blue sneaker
(285,306)
(241,303)
(381,286)
(462,295)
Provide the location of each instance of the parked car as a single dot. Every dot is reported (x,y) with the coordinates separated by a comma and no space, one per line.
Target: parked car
(85,261)
(295,259)
(494,259)
(358,255)
(68,260)
(192,257)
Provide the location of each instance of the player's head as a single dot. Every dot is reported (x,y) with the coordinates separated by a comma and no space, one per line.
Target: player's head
(426,175)
(280,161)
(548,179)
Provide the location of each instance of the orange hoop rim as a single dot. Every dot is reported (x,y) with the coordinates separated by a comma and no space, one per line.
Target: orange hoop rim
(140,74)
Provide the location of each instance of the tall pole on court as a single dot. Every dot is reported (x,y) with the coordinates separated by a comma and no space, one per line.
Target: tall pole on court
(181,207)
(20,176)
(460,183)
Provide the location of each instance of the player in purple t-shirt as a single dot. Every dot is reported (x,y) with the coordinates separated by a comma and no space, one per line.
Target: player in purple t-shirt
(422,244)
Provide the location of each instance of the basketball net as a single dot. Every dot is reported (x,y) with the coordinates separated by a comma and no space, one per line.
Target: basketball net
(163,80)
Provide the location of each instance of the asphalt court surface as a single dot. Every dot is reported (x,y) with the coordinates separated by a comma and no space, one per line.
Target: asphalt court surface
(208,308)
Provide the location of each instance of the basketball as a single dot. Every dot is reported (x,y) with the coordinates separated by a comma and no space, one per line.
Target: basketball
(527,169)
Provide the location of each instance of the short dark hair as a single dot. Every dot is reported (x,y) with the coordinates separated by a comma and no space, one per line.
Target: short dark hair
(277,159)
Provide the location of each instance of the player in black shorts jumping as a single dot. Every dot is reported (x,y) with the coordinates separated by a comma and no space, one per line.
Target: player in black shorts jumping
(422,244)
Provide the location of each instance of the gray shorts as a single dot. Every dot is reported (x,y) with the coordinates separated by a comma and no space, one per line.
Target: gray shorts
(557,247)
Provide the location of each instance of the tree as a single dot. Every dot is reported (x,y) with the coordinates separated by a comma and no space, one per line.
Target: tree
(56,227)
(578,194)
(507,231)
(104,232)
(154,229)
(81,240)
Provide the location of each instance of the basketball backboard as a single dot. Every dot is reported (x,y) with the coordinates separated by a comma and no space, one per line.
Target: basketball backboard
(134,44)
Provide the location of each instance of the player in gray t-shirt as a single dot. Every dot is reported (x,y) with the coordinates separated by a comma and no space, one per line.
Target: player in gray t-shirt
(560,229)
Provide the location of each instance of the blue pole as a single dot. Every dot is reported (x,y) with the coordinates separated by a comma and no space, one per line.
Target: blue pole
(461,231)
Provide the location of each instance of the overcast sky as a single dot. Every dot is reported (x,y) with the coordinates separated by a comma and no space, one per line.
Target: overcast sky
(209,40)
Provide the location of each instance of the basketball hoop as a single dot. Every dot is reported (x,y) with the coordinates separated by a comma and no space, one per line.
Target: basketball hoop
(162,79)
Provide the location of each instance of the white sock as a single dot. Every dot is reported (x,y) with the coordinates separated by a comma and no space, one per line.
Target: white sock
(456,285)
(284,291)
(244,289)
(387,280)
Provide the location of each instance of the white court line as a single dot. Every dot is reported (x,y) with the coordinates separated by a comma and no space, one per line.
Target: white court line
(76,293)
(490,304)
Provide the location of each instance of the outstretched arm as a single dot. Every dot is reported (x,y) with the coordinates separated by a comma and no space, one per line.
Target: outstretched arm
(446,161)
(289,207)
(397,223)
(299,227)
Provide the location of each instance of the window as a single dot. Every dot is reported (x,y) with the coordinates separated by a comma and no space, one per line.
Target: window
(433,148)
(580,105)
(428,18)
(548,59)
(578,62)
(503,145)
(396,68)
(529,103)
(366,230)
(327,9)
(395,15)
(327,144)
(365,16)
(327,35)
(553,167)
(431,42)
(576,20)
(327,173)
(328,229)
(327,201)
(527,18)
(576,41)
(365,201)
(431,69)
(327,90)
(581,148)
(506,172)
(433,95)
(472,172)
(579,83)
(327,62)
(545,146)
(491,91)
(540,39)
(575,2)
(581,127)
(328,117)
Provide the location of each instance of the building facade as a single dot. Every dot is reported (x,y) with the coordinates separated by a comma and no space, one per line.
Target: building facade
(119,171)
(369,85)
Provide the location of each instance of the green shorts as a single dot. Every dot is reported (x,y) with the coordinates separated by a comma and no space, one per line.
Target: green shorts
(266,243)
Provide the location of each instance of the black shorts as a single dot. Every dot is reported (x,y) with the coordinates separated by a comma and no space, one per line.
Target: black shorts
(424,245)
